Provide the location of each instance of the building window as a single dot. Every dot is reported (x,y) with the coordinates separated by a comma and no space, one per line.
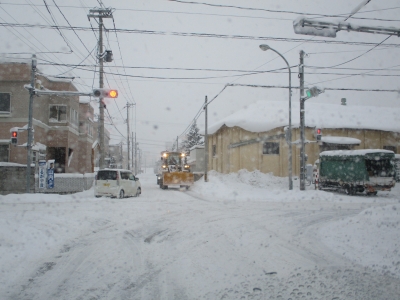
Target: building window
(270,148)
(4,153)
(5,103)
(74,117)
(391,148)
(58,113)
(89,128)
(214,150)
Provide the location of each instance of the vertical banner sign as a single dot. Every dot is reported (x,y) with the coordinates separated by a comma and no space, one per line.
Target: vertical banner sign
(42,174)
(50,177)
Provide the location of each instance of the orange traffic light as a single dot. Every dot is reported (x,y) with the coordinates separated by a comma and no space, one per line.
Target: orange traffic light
(113,93)
(105,93)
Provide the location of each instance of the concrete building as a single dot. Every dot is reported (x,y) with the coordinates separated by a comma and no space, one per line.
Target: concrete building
(254,138)
(64,128)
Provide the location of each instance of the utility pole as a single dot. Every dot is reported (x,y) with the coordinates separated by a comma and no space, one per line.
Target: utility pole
(101,13)
(127,123)
(30,126)
(132,151)
(302,122)
(177,145)
(136,148)
(206,141)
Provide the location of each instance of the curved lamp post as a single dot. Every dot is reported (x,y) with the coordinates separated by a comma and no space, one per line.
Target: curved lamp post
(289,137)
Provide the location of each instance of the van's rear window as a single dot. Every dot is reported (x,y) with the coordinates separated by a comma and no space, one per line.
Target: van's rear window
(107,175)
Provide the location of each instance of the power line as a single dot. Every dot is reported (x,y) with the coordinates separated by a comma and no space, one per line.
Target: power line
(52,17)
(227,15)
(205,35)
(326,88)
(277,11)
(360,54)
(122,60)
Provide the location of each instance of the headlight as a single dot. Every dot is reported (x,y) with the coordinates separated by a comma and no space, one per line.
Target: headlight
(186,166)
(164,167)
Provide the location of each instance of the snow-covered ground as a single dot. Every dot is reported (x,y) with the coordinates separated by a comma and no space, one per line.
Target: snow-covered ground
(239,236)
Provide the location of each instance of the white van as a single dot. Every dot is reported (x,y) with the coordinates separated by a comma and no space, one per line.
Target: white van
(116,183)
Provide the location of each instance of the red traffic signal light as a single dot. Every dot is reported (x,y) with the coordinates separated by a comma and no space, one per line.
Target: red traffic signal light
(14,137)
(318,134)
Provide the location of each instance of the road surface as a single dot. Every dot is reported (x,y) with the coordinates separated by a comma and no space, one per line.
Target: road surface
(172,244)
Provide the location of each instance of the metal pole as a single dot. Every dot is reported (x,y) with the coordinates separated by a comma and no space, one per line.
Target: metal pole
(135,155)
(206,141)
(132,152)
(177,145)
(127,123)
(101,101)
(302,121)
(289,137)
(30,129)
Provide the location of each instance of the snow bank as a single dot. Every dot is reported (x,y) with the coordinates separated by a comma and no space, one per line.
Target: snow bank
(372,238)
(258,186)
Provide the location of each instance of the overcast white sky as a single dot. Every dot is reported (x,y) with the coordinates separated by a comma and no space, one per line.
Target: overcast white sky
(167,100)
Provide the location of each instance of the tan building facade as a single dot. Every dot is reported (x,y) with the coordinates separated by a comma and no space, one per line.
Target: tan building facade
(64,129)
(232,148)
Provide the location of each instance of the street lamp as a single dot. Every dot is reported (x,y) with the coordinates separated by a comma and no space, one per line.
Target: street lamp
(289,139)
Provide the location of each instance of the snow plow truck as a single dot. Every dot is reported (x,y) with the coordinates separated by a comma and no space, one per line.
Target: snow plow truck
(174,171)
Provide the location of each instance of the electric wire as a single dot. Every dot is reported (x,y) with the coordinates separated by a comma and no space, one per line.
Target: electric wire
(54,21)
(275,11)
(65,18)
(205,35)
(225,15)
(122,60)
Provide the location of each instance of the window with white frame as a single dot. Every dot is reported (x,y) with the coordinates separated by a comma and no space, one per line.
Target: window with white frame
(89,128)
(58,113)
(5,103)
(74,117)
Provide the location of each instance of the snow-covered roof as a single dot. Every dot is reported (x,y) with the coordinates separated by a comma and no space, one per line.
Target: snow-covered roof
(266,115)
(10,164)
(342,140)
(197,147)
(353,152)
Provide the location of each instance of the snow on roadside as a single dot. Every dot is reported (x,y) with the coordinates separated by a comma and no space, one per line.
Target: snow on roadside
(258,186)
(371,238)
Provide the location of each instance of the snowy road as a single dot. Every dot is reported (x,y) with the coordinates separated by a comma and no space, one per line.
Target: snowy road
(171,244)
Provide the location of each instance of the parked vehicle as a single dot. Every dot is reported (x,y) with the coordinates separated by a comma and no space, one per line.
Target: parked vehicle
(174,172)
(117,183)
(369,170)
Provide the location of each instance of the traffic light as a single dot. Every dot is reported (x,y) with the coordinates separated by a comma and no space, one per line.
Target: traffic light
(314,92)
(105,93)
(14,137)
(318,134)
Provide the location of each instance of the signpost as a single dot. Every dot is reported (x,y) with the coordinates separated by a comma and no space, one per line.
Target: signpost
(42,174)
(50,175)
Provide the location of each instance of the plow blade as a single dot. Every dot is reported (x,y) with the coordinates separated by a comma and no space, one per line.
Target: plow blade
(178,178)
